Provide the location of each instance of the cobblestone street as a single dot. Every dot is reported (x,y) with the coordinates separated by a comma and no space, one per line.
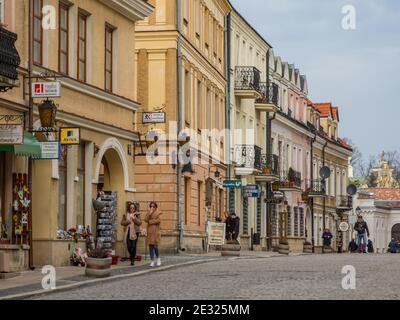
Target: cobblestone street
(293,277)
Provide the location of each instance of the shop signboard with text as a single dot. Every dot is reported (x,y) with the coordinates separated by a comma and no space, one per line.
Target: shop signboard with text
(50,150)
(251,191)
(216,233)
(11,129)
(46,89)
(70,136)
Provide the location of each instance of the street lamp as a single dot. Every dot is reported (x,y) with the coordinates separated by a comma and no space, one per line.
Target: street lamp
(47,113)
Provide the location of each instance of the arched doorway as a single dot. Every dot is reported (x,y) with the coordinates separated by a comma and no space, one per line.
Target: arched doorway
(112,174)
(396,232)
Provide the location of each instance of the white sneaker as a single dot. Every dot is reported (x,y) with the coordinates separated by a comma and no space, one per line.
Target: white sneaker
(152,264)
(158,262)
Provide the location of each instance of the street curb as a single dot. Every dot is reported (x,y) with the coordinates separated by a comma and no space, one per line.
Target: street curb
(68,287)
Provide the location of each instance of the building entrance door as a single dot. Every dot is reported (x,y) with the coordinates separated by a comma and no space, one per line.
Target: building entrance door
(396,232)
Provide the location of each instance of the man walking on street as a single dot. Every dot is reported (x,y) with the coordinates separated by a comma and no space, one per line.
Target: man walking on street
(362,233)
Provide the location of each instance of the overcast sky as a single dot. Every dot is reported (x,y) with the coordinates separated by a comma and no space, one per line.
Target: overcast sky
(357,70)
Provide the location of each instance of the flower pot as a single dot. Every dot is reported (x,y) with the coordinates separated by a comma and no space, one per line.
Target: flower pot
(114,260)
(98,268)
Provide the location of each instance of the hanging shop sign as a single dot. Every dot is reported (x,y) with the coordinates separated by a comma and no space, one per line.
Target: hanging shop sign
(11,134)
(232,184)
(50,150)
(216,233)
(154,117)
(46,89)
(70,136)
(251,191)
(11,129)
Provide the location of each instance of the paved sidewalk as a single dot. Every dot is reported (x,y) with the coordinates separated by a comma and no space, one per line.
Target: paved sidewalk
(30,282)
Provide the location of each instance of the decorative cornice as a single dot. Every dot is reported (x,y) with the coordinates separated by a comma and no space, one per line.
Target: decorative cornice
(132,9)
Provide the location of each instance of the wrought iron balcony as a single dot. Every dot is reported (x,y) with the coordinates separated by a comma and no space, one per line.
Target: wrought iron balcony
(290,179)
(316,187)
(269,94)
(248,156)
(344,202)
(247,78)
(9,60)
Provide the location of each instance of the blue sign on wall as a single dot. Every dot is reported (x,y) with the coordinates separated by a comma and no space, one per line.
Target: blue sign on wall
(232,184)
(251,191)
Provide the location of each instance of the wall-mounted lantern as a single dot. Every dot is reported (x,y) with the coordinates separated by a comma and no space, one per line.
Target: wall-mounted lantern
(47,113)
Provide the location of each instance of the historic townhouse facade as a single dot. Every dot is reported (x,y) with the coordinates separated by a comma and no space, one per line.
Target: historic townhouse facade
(181,61)
(248,123)
(291,142)
(89,46)
(333,204)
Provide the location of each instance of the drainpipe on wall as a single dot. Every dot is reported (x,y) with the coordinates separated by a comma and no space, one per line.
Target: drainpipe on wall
(179,84)
(228,101)
(269,152)
(312,199)
(30,126)
(324,200)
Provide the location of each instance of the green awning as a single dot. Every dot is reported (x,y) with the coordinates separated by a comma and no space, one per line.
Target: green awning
(30,148)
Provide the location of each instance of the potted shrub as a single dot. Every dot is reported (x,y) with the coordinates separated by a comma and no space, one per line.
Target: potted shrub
(98,263)
(267,170)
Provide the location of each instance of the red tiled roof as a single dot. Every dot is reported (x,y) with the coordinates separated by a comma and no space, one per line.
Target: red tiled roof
(385,194)
(324,108)
(344,144)
(335,112)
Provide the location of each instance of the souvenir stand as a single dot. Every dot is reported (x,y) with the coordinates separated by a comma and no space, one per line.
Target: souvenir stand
(107,221)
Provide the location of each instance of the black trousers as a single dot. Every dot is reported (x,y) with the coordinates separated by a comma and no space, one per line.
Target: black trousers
(131,244)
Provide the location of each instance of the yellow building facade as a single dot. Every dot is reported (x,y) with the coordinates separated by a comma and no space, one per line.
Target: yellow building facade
(89,47)
(181,66)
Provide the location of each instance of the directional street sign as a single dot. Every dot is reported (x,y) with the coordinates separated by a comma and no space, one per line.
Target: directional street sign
(232,184)
(251,191)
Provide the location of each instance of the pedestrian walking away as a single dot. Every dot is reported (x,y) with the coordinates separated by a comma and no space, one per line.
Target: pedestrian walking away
(393,246)
(153,220)
(132,222)
(362,233)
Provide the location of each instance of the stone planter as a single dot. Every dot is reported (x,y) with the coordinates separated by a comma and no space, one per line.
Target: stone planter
(327,249)
(231,250)
(98,268)
(284,248)
(307,248)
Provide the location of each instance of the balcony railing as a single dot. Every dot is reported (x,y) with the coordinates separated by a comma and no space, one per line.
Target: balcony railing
(344,202)
(316,187)
(269,94)
(270,164)
(9,57)
(247,78)
(248,156)
(290,179)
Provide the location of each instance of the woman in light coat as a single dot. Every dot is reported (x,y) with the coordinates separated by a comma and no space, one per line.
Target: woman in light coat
(153,219)
(132,222)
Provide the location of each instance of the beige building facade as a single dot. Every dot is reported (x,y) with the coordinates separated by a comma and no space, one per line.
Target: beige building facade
(180,60)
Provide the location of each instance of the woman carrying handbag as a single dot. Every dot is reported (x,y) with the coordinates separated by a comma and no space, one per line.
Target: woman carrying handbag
(132,222)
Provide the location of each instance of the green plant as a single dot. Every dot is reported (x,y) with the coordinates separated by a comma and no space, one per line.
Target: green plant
(98,253)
